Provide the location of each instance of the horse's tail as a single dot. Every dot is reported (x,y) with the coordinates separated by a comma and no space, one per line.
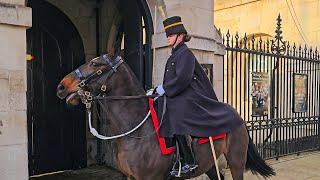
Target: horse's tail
(255,162)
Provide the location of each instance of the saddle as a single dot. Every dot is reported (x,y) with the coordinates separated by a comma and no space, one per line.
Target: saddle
(168,145)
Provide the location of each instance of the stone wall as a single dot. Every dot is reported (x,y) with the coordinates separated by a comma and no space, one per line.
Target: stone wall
(14,20)
(206,42)
(255,17)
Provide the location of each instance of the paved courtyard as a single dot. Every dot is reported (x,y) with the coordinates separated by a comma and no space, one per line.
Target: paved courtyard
(306,166)
(303,167)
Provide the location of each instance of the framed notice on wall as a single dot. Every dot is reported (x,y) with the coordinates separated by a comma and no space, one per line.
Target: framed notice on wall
(260,93)
(208,68)
(300,92)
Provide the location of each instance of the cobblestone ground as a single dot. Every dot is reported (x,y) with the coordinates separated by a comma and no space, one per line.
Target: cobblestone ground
(306,166)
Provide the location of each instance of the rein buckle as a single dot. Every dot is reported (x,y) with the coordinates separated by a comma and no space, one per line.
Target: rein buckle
(82,83)
(88,105)
(99,72)
(103,88)
(87,93)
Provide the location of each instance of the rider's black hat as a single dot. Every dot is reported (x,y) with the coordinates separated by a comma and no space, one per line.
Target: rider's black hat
(173,25)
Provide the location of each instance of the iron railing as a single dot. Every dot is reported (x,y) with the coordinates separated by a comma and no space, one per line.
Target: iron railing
(275,87)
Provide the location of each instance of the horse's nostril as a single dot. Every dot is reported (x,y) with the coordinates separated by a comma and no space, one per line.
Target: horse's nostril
(60,87)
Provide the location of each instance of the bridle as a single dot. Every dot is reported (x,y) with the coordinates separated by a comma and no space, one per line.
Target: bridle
(117,63)
(87,97)
(84,80)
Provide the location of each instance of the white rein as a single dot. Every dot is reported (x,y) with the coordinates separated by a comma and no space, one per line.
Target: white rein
(95,133)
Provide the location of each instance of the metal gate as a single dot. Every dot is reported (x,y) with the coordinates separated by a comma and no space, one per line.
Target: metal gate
(275,87)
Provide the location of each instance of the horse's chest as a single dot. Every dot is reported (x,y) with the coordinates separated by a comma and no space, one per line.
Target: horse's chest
(141,160)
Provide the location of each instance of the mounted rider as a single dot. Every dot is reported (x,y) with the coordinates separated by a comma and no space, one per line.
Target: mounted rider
(192,105)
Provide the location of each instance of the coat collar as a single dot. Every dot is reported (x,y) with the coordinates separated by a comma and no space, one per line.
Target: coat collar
(179,46)
(177,50)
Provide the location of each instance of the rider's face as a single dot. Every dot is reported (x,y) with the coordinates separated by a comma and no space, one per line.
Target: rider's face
(171,39)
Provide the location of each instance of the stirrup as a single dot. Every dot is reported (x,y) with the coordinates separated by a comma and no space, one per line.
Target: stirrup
(185,170)
(190,168)
(176,172)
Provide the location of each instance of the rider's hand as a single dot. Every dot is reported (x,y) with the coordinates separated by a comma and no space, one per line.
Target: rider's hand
(150,92)
(160,90)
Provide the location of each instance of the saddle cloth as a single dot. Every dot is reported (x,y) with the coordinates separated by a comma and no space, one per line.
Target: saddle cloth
(167,146)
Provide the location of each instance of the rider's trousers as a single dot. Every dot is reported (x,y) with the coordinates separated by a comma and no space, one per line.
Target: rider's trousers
(185,150)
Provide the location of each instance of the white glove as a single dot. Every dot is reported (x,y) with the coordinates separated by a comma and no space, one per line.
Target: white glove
(160,90)
(150,92)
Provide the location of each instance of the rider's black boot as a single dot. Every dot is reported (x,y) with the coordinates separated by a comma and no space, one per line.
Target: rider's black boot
(186,157)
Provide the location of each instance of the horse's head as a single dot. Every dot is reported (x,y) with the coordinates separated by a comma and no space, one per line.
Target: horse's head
(91,76)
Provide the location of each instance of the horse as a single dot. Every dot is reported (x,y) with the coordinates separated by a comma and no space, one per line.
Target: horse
(111,79)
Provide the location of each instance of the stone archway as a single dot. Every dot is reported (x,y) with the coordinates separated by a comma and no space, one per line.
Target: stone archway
(101,24)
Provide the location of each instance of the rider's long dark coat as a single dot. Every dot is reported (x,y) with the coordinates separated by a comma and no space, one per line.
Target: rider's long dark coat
(192,105)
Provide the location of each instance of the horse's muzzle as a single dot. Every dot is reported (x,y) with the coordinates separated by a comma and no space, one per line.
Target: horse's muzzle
(61,91)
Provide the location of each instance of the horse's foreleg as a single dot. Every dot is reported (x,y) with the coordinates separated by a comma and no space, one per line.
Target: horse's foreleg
(212,174)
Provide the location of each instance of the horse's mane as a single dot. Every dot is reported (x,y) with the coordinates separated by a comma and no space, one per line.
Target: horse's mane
(132,77)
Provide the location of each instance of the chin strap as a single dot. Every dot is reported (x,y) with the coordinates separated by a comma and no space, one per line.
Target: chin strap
(175,41)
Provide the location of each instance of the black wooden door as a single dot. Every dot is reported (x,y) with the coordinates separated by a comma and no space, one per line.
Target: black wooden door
(134,54)
(56,133)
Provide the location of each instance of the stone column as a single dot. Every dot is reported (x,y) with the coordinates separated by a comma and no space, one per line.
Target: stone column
(15,18)
(206,43)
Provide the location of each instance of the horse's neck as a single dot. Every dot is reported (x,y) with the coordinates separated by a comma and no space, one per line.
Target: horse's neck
(127,114)
(124,115)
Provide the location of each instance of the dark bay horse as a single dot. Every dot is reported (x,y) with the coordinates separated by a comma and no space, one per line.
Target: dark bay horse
(141,159)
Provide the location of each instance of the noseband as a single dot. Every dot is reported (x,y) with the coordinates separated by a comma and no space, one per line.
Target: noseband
(106,61)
